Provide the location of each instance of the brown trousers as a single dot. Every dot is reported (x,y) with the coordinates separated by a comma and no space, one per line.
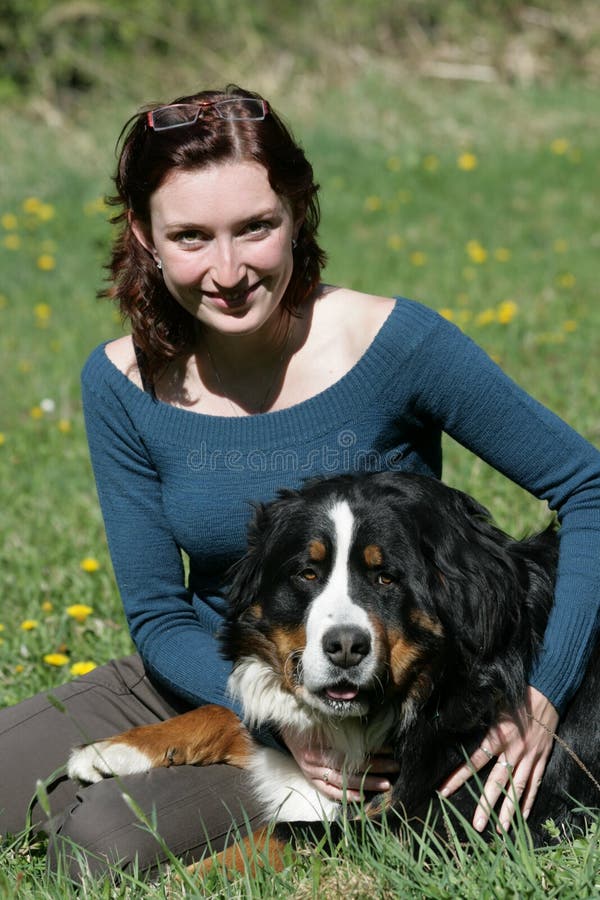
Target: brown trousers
(192,807)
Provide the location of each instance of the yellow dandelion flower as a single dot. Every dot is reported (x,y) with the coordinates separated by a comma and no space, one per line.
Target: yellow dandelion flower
(82,668)
(560,146)
(36,412)
(79,611)
(502,254)
(395,242)
(394,163)
(373,203)
(64,426)
(19,668)
(560,245)
(1,627)
(476,252)
(2,439)
(566,280)
(56,659)
(418,258)
(12,241)
(430,163)
(42,311)
(89,564)
(46,262)
(570,325)
(9,222)
(47,606)
(485,317)
(31,205)
(507,310)
(467,162)
(447,313)
(45,212)
(29,625)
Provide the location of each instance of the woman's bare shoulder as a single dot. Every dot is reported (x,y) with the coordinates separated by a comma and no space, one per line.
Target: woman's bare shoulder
(122,355)
(361,314)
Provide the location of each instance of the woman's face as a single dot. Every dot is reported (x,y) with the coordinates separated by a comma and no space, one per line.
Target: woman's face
(224,238)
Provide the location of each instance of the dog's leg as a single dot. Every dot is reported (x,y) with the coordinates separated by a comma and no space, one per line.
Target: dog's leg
(210,734)
(264,846)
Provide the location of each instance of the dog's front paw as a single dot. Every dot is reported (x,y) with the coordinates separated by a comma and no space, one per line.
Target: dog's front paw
(93,762)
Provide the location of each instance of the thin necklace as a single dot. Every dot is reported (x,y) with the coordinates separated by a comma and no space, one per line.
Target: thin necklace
(265,400)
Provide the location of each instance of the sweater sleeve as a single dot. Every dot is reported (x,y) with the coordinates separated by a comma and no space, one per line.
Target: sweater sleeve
(477,404)
(175,640)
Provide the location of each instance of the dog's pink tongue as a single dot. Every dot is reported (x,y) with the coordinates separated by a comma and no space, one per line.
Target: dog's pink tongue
(342,695)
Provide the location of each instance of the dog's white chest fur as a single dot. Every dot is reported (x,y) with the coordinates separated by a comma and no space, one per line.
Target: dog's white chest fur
(286,793)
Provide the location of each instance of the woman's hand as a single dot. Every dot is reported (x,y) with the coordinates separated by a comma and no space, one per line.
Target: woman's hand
(522,754)
(324,768)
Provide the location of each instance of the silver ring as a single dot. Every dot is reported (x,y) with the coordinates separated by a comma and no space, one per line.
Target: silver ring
(487,752)
(506,764)
(326,775)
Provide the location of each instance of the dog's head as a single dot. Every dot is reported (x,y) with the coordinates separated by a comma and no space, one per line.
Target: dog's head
(358,589)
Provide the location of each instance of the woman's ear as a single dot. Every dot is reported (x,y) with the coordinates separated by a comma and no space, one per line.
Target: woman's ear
(142,234)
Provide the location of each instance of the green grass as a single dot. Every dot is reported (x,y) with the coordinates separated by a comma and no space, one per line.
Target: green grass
(398,213)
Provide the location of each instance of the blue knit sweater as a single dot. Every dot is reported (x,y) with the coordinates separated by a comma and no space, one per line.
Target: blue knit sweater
(170,480)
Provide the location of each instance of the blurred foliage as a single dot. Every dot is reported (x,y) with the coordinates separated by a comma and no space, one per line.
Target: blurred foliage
(60,50)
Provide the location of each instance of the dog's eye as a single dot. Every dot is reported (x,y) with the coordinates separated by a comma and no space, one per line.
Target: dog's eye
(385,578)
(308,574)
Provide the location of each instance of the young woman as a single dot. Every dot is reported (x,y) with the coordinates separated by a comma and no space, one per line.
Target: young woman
(242,374)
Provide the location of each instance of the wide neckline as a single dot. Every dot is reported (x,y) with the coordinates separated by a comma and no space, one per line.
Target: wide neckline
(348,379)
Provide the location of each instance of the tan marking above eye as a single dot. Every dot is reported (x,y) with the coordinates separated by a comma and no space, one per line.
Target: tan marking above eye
(373,555)
(317,550)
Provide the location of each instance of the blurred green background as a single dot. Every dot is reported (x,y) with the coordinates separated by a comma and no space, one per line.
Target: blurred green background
(457,149)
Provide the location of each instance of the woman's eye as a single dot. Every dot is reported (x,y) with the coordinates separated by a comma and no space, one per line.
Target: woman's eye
(261,226)
(189,237)
(385,578)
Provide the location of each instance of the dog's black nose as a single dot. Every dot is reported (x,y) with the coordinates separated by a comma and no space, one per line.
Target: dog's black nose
(346,646)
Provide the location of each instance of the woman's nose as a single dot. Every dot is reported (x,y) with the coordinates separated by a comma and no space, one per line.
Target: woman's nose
(227,267)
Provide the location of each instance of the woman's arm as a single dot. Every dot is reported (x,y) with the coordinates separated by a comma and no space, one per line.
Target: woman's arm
(478,405)
(178,649)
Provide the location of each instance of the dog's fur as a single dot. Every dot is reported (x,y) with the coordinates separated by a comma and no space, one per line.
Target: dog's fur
(374,610)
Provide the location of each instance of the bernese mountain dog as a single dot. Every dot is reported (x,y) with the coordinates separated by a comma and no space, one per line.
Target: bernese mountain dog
(377,610)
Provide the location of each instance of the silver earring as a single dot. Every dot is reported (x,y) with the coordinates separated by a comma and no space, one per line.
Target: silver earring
(159,263)
(294,243)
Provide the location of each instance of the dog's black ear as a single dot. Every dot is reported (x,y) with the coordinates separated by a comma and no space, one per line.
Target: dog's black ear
(245,576)
(485,578)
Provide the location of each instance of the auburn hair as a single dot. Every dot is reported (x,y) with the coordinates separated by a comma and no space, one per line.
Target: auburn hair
(162,330)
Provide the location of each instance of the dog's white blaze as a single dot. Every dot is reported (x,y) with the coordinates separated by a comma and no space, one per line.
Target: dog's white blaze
(103,758)
(334,606)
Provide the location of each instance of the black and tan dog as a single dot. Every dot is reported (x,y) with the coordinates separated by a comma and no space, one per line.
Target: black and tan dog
(377,610)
